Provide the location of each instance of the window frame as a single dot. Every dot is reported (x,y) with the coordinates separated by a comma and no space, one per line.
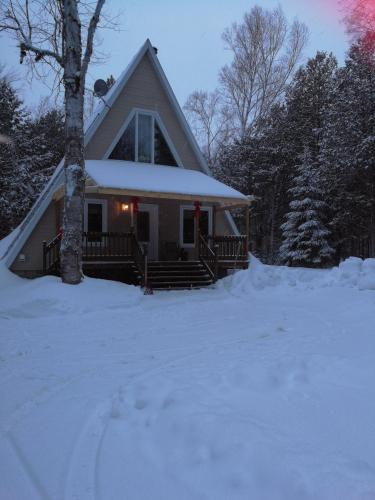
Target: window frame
(104,204)
(204,208)
(154,117)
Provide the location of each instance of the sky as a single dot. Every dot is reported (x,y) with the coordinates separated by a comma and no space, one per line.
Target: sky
(188,36)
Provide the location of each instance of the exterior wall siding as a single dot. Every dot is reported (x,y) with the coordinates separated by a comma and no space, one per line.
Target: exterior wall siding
(46,229)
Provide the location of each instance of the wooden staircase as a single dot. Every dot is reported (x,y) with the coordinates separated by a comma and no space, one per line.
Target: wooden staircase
(178,275)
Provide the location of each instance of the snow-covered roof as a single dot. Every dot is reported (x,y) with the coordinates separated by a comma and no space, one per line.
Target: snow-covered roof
(146,178)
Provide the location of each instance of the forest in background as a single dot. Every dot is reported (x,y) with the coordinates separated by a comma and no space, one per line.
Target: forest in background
(310,164)
(29,158)
(299,138)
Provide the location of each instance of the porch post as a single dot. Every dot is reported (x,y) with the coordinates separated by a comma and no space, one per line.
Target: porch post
(133,215)
(44,256)
(214,212)
(197,228)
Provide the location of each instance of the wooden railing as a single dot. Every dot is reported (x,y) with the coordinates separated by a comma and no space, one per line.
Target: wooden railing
(51,255)
(230,247)
(208,257)
(95,246)
(117,247)
(107,246)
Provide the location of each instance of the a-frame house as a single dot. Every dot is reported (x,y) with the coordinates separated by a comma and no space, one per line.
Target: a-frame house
(148,192)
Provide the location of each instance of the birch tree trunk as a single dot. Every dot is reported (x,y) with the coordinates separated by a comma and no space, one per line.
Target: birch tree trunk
(74,166)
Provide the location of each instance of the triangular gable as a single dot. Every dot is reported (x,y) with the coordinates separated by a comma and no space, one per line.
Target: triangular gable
(144,93)
(91,127)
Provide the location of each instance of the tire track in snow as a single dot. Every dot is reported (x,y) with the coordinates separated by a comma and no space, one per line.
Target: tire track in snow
(27,467)
(82,477)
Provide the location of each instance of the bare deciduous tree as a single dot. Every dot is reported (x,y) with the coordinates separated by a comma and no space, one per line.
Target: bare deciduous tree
(360,20)
(58,35)
(211,121)
(266,52)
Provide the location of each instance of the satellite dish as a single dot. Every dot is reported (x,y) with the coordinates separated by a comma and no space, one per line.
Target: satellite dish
(100,88)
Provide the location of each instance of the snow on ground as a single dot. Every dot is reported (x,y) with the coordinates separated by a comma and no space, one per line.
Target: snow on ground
(261,388)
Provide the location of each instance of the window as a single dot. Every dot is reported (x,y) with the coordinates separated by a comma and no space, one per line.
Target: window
(143,141)
(144,138)
(95,220)
(187,218)
(188,235)
(94,217)
(125,148)
(162,153)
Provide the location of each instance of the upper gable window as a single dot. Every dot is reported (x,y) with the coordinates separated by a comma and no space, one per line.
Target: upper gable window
(143,141)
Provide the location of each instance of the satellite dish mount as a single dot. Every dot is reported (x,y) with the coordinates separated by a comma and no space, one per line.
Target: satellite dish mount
(100,90)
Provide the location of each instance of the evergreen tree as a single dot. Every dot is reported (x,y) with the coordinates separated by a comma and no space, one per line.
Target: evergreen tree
(14,176)
(305,233)
(47,149)
(348,155)
(28,159)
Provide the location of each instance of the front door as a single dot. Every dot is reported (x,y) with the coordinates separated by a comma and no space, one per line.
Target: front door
(148,228)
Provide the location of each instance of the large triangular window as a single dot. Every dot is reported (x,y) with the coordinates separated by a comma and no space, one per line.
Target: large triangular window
(143,141)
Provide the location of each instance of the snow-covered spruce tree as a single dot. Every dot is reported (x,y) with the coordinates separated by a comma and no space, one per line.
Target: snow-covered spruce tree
(306,101)
(14,175)
(49,33)
(28,159)
(47,151)
(305,234)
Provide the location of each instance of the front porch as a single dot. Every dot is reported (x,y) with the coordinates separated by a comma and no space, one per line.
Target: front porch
(153,235)
(121,256)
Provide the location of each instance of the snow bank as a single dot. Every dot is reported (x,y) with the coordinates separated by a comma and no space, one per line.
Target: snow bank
(48,296)
(7,241)
(353,272)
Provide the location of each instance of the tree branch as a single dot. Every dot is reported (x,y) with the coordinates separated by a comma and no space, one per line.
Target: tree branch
(42,52)
(90,39)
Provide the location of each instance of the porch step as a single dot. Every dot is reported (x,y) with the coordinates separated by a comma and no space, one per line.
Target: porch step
(168,275)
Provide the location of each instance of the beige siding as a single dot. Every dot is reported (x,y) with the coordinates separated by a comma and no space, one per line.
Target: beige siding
(46,229)
(144,91)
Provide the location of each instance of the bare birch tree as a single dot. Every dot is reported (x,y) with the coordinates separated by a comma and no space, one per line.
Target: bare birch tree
(211,121)
(58,36)
(266,51)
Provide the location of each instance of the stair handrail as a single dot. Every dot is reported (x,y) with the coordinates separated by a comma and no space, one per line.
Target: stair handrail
(51,254)
(208,256)
(139,258)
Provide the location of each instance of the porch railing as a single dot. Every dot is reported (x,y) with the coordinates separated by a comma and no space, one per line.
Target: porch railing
(107,246)
(117,247)
(230,248)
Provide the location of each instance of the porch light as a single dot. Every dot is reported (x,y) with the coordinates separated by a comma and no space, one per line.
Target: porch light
(124,207)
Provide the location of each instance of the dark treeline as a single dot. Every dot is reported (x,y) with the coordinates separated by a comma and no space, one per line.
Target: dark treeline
(310,163)
(30,149)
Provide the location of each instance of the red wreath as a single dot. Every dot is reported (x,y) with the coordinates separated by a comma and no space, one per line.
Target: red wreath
(135,205)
